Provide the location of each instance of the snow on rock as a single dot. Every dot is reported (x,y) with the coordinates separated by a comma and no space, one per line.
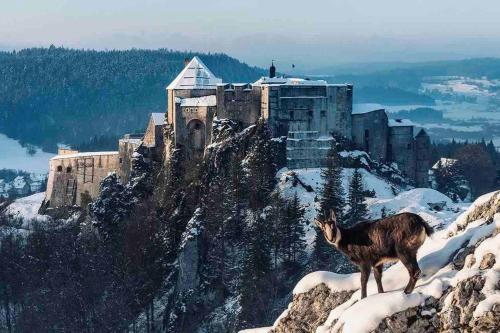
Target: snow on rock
(335,282)
(258,330)
(443,277)
(419,201)
(26,208)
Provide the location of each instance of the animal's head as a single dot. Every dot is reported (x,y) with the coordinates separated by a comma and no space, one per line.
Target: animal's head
(329,228)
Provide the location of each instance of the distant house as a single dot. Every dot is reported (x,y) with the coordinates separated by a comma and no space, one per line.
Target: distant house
(20,186)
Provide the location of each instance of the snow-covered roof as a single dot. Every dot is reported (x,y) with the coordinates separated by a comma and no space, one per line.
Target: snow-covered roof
(445,162)
(400,123)
(210,100)
(195,75)
(289,81)
(89,154)
(363,108)
(158,118)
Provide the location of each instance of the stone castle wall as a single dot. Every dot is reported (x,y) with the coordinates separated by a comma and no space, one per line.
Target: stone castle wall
(239,102)
(402,148)
(370,132)
(423,159)
(74,179)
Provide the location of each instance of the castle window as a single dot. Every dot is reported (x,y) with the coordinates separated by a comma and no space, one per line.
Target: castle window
(121,160)
(68,169)
(408,146)
(323,113)
(291,115)
(59,168)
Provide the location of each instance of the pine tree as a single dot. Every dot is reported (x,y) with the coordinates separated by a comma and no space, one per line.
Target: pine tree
(326,257)
(254,282)
(295,244)
(261,169)
(276,215)
(357,206)
(333,192)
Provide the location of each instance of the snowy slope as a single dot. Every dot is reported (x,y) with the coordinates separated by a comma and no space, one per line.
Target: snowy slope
(312,177)
(439,275)
(26,209)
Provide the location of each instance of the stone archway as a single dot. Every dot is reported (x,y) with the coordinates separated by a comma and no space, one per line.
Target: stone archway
(196,134)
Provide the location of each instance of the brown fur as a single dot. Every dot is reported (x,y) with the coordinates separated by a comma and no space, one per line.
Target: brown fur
(371,244)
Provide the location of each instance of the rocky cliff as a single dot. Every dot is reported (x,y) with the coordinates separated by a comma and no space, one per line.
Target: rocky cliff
(459,290)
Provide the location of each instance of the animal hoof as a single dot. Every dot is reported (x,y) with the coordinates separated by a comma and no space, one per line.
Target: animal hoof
(407,292)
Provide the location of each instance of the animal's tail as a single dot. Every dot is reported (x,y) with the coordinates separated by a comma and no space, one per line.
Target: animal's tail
(428,229)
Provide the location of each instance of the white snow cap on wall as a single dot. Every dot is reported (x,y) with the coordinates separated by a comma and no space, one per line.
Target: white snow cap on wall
(210,100)
(195,75)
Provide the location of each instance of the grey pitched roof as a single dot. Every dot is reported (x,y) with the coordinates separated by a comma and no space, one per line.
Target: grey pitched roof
(195,75)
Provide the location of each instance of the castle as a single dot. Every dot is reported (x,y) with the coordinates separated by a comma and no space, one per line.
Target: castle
(304,112)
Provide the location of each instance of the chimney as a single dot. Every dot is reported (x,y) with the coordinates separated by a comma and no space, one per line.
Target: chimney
(186,61)
(272,70)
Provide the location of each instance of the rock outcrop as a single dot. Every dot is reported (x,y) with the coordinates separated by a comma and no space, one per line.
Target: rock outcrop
(460,295)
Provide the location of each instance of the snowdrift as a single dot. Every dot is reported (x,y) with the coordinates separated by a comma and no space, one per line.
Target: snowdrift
(459,288)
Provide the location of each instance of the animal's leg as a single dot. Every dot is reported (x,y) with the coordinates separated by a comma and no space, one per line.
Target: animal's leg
(410,262)
(377,272)
(365,274)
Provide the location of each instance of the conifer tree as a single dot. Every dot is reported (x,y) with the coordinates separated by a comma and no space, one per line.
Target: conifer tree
(261,169)
(326,257)
(357,206)
(276,215)
(254,281)
(333,192)
(294,243)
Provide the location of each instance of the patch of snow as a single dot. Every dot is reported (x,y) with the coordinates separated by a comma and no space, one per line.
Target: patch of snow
(27,208)
(158,118)
(257,330)
(210,100)
(336,282)
(87,154)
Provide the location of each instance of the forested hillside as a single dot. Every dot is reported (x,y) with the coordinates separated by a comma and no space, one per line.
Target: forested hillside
(56,95)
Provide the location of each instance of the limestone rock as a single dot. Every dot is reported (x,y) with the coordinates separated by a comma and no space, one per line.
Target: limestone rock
(310,310)
(488,261)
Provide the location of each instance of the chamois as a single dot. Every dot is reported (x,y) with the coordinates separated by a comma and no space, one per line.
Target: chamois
(371,244)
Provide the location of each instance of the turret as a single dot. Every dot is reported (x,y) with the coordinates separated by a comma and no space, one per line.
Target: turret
(272,70)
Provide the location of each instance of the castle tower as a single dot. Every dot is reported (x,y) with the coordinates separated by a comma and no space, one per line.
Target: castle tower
(191,106)
(423,151)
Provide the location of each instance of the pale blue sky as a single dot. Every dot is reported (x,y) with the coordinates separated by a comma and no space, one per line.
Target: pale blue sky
(310,33)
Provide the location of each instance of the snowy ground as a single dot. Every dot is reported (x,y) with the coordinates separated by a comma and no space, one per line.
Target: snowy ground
(434,257)
(26,209)
(14,156)
(312,177)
